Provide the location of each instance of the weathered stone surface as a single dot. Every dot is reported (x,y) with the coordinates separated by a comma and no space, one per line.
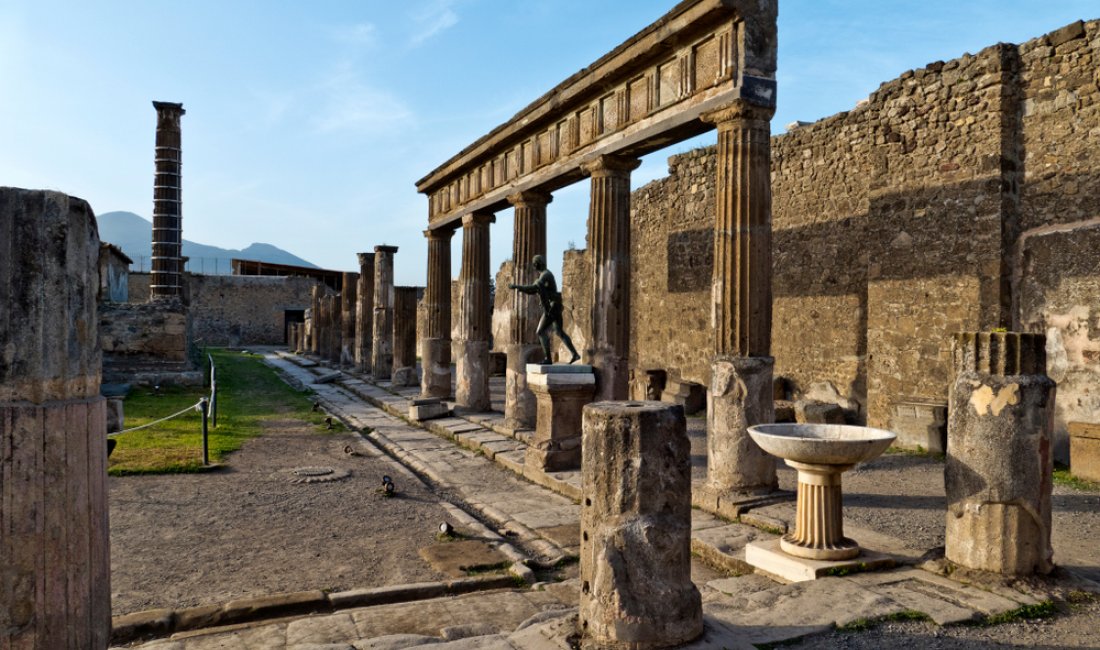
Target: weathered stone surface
(636,589)
(435,344)
(404,336)
(472,364)
(741,396)
(382,350)
(348,306)
(608,337)
(688,394)
(528,240)
(1084,450)
(561,398)
(364,312)
(999,458)
(920,424)
(55,572)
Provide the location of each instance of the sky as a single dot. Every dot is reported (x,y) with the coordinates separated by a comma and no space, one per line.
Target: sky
(308,123)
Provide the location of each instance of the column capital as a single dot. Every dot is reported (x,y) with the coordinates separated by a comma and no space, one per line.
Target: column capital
(610,165)
(739,111)
(385,249)
(437,234)
(478,219)
(530,198)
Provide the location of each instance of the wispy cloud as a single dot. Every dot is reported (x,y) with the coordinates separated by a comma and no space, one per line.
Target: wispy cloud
(348,103)
(437,16)
(360,34)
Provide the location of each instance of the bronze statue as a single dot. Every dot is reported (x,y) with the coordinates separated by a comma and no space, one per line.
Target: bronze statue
(547,289)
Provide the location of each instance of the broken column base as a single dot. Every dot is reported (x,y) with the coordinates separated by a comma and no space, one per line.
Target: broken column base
(428,408)
(767,558)
(472,376)
(561,391)
(436,366)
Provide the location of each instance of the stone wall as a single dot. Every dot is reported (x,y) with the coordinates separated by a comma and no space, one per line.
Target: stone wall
(960,196)
(237,309)
(148,332)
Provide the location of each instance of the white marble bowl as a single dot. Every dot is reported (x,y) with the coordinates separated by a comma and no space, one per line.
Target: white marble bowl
(822,444)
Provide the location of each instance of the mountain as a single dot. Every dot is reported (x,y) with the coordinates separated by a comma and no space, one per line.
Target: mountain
(133,234)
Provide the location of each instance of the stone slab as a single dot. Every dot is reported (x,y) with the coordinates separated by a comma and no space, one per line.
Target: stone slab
(457,558)
(564,380)
(558,368)
(428,411)
(1084,450)
(767,557)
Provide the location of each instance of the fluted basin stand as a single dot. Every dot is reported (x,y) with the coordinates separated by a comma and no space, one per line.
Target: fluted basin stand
(820,453)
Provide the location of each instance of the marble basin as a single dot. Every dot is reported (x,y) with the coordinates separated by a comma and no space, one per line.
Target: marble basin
(822,444)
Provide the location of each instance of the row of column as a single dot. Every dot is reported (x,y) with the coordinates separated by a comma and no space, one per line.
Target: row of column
(369,325)
(741,292)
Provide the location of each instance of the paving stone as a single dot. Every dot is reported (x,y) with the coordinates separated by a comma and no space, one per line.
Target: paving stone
(724,546)
(423,618)
(334,628)
(261,636)
(395,642)
(457,558)
(467,630)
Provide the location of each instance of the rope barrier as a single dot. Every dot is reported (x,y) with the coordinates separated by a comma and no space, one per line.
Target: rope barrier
(196,405)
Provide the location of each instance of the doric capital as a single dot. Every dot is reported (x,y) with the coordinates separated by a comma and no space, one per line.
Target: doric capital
(478,219)
(438,234)
(610,165)
(365,258)
(385,249)
(740,111)
(530,198)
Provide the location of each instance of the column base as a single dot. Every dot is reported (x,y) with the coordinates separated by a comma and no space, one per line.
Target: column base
(472,379)
(740,397)
(731,504)
(404,377)
(435,362)
(561,396)
(768,558)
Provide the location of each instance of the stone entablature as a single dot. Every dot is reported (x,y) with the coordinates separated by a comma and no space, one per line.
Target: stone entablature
(643,95)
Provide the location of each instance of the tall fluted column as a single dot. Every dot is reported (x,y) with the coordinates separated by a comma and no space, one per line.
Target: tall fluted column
(741,377)
(166,278)
(475,311)
(404,336)
(609,252)
(364,313)
(435,351)
(528,240)
(347,318)
(55,564)
(382,353)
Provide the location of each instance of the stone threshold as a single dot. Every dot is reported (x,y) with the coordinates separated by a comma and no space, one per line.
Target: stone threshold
(159,623)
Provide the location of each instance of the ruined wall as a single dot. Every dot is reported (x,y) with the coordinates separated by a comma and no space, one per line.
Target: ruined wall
(234,309)
(143,332)
(959,196)
(1057,258)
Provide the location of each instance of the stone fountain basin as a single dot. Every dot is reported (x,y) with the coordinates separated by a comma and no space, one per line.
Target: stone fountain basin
(822,444)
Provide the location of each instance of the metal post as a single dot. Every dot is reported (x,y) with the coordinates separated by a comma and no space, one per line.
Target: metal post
(204,406)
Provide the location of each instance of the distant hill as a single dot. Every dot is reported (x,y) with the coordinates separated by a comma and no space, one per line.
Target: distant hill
(133,234)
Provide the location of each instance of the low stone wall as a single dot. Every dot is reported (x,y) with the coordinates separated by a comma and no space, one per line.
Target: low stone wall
(146,332)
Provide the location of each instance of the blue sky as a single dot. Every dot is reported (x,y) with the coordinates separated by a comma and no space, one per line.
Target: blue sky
(308,123)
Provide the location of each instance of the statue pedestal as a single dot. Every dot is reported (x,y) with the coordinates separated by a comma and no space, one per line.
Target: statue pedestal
(561,392)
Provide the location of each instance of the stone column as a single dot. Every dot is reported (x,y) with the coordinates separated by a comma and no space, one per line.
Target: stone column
(528,240)
(404,336)
(435,351)
(364,312)
(382,352)
(609,253)
(166,277)
(636,589)
(348,301)
(475,311)
(55,582)
(999,458)
(315,294)
(330,307)
(741,374)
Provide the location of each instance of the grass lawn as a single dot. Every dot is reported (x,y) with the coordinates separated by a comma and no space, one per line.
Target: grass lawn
(249,393)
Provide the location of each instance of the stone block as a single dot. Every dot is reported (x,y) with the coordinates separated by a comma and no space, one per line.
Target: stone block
(636,589)
(560,398)
(428,409)
(1084,450)
(766,556)
(741,396)
(920,424)
(116,419)
(692,396)
(810,412)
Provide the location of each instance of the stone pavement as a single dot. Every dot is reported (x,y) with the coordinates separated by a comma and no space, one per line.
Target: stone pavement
(474,462)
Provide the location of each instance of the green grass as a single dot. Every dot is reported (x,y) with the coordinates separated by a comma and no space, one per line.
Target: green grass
(1062,476)
(249,395)
(1042,609)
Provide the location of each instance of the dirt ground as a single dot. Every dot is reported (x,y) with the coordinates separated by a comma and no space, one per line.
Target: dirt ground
(247,530)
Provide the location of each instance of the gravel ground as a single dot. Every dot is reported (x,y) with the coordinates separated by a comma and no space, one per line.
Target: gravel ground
(247,530)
